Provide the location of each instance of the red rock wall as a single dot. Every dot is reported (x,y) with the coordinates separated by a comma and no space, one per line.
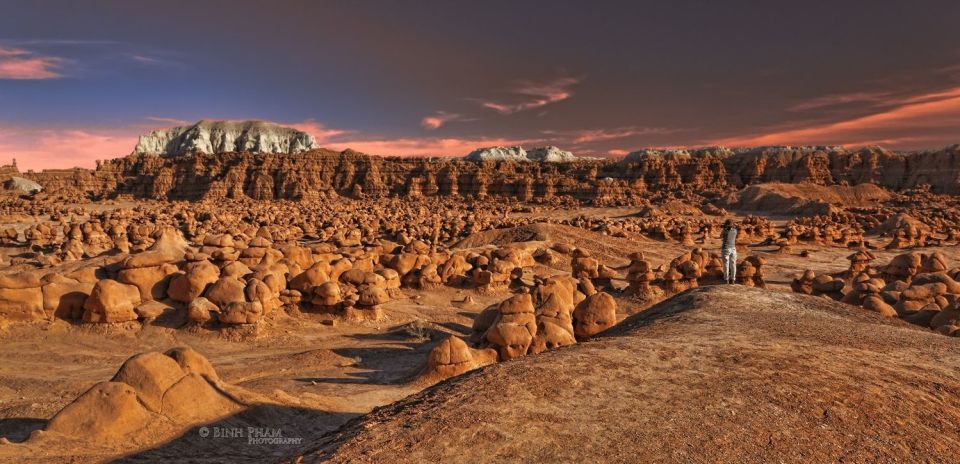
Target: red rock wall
(324,172)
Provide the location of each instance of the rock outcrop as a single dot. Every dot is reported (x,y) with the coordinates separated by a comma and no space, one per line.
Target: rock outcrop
(22,186)
(151,390)
(498,154)
(225,136)
(549,154)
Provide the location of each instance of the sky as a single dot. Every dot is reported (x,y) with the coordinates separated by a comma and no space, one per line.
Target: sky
(81,80)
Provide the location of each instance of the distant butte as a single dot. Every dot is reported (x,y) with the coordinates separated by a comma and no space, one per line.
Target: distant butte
(225,136)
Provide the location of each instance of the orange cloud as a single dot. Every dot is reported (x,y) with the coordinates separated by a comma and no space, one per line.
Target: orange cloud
(543,94)
(19,64)
(927,118)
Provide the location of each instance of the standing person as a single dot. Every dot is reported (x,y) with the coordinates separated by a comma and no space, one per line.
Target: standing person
(728,251)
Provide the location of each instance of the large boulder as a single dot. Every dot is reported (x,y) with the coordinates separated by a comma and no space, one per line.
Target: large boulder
(598,312)
(63,297)
(226,290)
(21,297)
(190,284)
(241,313)
(111,301)
(151,281)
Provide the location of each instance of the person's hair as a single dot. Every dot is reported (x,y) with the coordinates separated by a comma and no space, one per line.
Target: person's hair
(728,224)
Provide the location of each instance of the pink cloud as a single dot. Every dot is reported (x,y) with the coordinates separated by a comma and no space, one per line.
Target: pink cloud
(57,149)
(930,119)
(19,64)
(438,119)
(319,131)
(542,94)
(423,146)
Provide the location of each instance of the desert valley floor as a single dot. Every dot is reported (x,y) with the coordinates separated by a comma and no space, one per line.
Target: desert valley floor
(357,328)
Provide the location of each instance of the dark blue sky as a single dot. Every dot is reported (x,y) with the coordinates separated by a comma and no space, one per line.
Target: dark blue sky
(80,79)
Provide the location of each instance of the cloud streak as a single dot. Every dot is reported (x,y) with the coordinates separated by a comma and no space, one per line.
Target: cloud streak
(538,95)
(826,101)
(929,118)
(600,135)
(319,131)
(20,64)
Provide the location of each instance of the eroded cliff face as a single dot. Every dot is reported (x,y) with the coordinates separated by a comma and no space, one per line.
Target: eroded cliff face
(323,172)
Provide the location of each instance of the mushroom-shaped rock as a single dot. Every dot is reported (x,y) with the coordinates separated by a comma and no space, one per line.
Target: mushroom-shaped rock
(373,296)
(452,357)
(804,282)
(327,295)
(515,327)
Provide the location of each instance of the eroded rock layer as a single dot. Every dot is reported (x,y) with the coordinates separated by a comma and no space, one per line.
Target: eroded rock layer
(323,172)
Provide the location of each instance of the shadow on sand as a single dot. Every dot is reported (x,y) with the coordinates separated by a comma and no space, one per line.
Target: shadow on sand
(380,365)
(18,429)
(261,433)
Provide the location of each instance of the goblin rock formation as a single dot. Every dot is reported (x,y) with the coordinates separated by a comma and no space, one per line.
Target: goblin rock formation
(225,136)
(150,390)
